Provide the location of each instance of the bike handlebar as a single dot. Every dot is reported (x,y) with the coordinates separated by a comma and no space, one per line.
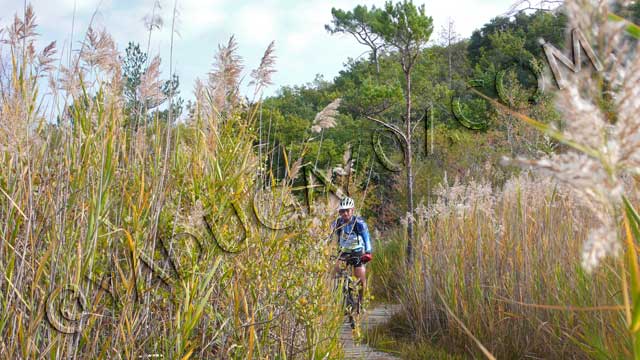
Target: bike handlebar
(343,256)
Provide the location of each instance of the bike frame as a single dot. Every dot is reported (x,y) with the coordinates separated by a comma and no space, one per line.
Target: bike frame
(350,289)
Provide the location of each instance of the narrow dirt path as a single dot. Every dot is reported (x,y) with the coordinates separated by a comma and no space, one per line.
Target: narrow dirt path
(376,316)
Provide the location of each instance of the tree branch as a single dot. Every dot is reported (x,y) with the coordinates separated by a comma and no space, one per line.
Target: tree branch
(420,120)
(524,5)
(359,38)
(390,127)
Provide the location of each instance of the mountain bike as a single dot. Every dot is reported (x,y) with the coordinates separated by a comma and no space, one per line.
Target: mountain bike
(350,286)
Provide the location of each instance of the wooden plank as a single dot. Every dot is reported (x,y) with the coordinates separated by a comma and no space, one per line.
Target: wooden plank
(376,316)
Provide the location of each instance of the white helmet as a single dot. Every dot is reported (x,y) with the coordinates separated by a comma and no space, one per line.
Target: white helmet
(346,203)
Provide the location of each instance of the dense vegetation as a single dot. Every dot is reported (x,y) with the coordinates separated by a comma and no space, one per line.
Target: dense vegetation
(500,263)
(441,141)
(126,233)
(126,237)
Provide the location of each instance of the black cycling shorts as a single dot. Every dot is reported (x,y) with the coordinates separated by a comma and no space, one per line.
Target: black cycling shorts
(352,258)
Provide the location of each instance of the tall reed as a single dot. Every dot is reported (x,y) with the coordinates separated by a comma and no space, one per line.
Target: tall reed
(121,241)
(506,264)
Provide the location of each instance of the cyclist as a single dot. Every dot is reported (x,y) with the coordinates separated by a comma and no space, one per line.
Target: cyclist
(354,242)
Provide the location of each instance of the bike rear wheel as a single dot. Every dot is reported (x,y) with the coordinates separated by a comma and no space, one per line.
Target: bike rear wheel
(353,303)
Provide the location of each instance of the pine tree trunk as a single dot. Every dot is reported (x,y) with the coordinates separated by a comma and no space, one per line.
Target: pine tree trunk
(375,59)
(450,79)
(449,53)
(408,156)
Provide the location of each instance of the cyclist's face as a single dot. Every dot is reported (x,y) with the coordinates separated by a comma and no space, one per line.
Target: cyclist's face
(345,214)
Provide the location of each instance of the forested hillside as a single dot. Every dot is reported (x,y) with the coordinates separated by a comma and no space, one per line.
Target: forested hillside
(443,143)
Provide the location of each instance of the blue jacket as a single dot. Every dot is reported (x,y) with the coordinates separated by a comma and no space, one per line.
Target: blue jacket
(347,234)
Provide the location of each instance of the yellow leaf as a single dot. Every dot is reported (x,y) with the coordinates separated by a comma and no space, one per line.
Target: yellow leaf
(187,355)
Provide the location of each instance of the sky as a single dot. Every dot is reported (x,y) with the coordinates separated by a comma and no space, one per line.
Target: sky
(302,46)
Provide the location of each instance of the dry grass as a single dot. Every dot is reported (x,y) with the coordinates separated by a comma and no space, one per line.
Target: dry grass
(507,264)
(151,225)
(535,269)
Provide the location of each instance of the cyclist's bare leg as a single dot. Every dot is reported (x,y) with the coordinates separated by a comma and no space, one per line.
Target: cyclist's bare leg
(361,273)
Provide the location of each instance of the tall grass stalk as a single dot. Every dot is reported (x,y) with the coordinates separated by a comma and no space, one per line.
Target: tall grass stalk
(532,265)
(125,241)
(506,264)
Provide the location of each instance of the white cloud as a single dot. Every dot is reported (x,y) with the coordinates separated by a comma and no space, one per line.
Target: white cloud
(296,42)
(199,17)
(256,24)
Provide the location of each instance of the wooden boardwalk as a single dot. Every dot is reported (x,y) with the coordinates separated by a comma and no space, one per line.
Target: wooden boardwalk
(376,316)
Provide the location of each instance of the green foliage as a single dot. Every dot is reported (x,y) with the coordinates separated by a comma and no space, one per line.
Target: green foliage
(384,271)
(359,22)
(632,232)
(401,26)
(134,66)
(287,118)
(630,11)
(355,21)
(405,27)
(505,47)
(367,92)
(632,28)
(519,36)
(132,70)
